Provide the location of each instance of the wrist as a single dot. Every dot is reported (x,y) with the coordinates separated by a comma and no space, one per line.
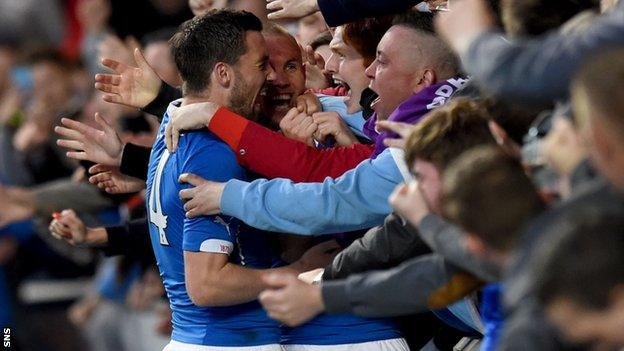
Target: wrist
(117,160)
(96,236)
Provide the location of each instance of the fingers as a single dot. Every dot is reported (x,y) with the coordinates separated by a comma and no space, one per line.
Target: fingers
(102,180)
(114,65)
(171,137)
(187,194)
(113,99)
(273,5)
(78,155)
(192,179)
(392,142)
(107,88)
(402,129)
(70,144)
(103,123)
(78,126)
(69,133)
(141,61)
(104,78)
(276,15)
(98,168)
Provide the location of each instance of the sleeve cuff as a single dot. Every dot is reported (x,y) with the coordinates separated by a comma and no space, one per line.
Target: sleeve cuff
(335,297)
(135,160)
(232,198)
(116,242)
(228,126)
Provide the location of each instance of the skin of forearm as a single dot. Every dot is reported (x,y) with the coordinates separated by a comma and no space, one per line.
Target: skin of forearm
(230,285)
(96,236)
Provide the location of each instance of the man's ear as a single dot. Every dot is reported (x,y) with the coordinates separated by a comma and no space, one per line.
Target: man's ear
(427,79)
(223,74)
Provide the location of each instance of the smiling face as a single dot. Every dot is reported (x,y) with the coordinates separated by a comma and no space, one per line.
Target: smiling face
(347,67)
(250,74)
(395,71)
(288,82)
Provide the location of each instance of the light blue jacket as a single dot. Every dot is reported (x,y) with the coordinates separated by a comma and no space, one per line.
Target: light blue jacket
(356,200)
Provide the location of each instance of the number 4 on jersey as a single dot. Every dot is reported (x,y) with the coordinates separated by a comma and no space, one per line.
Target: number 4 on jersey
(157,217)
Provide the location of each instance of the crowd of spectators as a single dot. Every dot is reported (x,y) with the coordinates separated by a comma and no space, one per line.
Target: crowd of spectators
(317,175)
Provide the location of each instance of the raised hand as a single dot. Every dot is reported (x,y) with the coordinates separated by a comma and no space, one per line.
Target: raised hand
(280,9)
(462,25)
(189,117)
(111,180)
(96,145)
(130,86)
(315,70)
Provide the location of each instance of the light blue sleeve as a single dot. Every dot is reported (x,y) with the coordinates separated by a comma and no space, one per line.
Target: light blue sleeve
(356,200)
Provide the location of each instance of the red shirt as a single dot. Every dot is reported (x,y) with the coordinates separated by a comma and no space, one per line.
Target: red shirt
(275,156)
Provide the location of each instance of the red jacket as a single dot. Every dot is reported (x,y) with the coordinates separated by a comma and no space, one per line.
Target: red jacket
(275,156)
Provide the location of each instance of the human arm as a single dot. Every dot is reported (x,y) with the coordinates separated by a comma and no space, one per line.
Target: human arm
(91,144)
(213,281)
(418,285)
(336,12)
(266,152)
(381,247)
(533,71)
(129,239)
(66,225)
(356,200)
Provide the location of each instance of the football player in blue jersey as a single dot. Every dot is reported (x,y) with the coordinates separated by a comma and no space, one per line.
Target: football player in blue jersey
(211,266)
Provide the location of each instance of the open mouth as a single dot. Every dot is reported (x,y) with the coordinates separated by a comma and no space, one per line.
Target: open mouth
(342,83)
(281,101)
(375,103)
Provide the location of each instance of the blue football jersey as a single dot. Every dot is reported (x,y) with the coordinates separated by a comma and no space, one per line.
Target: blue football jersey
(203,154)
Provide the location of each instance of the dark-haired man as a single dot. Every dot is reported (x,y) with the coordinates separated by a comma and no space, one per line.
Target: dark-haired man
(211,266)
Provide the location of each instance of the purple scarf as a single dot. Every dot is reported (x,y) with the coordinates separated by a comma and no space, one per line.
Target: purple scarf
(413,109)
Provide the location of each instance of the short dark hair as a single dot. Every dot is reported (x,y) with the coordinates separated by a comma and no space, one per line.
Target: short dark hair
(321,39)
(583,260)
(444,133)
(439,55)
(364,35)
(420,21)
(487,193)
(217,36)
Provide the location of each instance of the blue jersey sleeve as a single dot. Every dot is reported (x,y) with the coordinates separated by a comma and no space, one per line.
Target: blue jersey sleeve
(213,161)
